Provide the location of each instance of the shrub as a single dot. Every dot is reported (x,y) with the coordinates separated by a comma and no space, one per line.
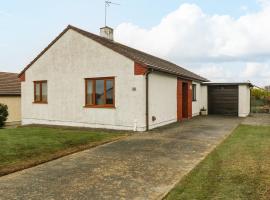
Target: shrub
(260,93)
(3,114)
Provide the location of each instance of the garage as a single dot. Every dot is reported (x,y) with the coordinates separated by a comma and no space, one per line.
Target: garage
(231,99)
(223,99)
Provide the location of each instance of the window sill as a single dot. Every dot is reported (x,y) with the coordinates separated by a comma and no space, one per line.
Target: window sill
(40,102)
(101,106)
(194,100)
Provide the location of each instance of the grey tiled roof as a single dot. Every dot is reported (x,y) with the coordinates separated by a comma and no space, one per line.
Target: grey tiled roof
(141,57)
(131,53)
(9,84)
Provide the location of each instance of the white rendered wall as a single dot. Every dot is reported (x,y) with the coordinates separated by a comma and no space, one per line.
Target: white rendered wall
(244,101)
(65,66)
(196,105)
(204,97)
(162,99)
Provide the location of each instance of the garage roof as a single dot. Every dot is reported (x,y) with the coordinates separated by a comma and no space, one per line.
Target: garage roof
(229,83)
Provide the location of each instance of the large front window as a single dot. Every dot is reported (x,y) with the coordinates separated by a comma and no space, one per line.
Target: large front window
(40,92)
(99,92)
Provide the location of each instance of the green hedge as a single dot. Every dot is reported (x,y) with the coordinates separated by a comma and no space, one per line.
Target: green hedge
(3,114)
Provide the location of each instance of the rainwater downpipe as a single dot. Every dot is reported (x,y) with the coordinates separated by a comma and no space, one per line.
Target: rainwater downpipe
(147,98)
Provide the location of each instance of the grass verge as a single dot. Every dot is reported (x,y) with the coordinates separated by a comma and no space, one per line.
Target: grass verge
(25,147)
(237,169)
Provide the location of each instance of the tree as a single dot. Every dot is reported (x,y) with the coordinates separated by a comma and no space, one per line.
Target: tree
(3,114)
(267,88)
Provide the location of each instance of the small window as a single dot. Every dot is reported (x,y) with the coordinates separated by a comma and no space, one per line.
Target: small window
(40,92)
(99,92)
(194,98)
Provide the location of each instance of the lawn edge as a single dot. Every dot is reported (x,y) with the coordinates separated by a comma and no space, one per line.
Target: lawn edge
(60,154)
(163,196)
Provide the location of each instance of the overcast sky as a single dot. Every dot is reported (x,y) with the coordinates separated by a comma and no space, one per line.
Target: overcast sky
(224,40)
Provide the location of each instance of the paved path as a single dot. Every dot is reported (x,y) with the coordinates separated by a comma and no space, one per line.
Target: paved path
(258,119)
(143,166)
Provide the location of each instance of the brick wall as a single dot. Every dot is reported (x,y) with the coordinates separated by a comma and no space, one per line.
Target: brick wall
(139,69)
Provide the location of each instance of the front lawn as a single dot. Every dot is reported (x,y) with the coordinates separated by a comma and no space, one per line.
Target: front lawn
(28,146)
(238,169)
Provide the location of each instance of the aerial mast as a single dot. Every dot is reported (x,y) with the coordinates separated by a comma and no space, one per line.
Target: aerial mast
(108,4)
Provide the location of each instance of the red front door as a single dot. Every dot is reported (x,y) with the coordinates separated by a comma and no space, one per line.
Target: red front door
(184,99)
(179,100)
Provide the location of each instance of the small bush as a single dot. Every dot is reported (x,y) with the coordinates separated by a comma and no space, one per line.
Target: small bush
(3,114)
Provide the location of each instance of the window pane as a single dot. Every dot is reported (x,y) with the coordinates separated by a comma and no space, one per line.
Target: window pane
(99,92)
(44,91)
(37,92)
(194,92)
(89,94)
(109,91)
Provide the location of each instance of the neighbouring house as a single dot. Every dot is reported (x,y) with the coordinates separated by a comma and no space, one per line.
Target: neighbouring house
(10,95)
(82,79)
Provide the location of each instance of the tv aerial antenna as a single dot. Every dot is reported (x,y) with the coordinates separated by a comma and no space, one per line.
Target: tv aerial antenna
(108,4)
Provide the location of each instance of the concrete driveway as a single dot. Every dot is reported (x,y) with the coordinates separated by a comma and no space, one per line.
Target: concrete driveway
(143,166)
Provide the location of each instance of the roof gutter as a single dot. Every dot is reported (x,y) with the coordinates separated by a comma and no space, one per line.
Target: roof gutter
(176,74)
(229,83)
(10,95)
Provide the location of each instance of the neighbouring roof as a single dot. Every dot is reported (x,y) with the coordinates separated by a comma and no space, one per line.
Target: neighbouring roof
(138,56)
(230,83)
(10,84)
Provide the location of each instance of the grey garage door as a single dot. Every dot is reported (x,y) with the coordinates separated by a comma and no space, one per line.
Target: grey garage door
(223,99)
